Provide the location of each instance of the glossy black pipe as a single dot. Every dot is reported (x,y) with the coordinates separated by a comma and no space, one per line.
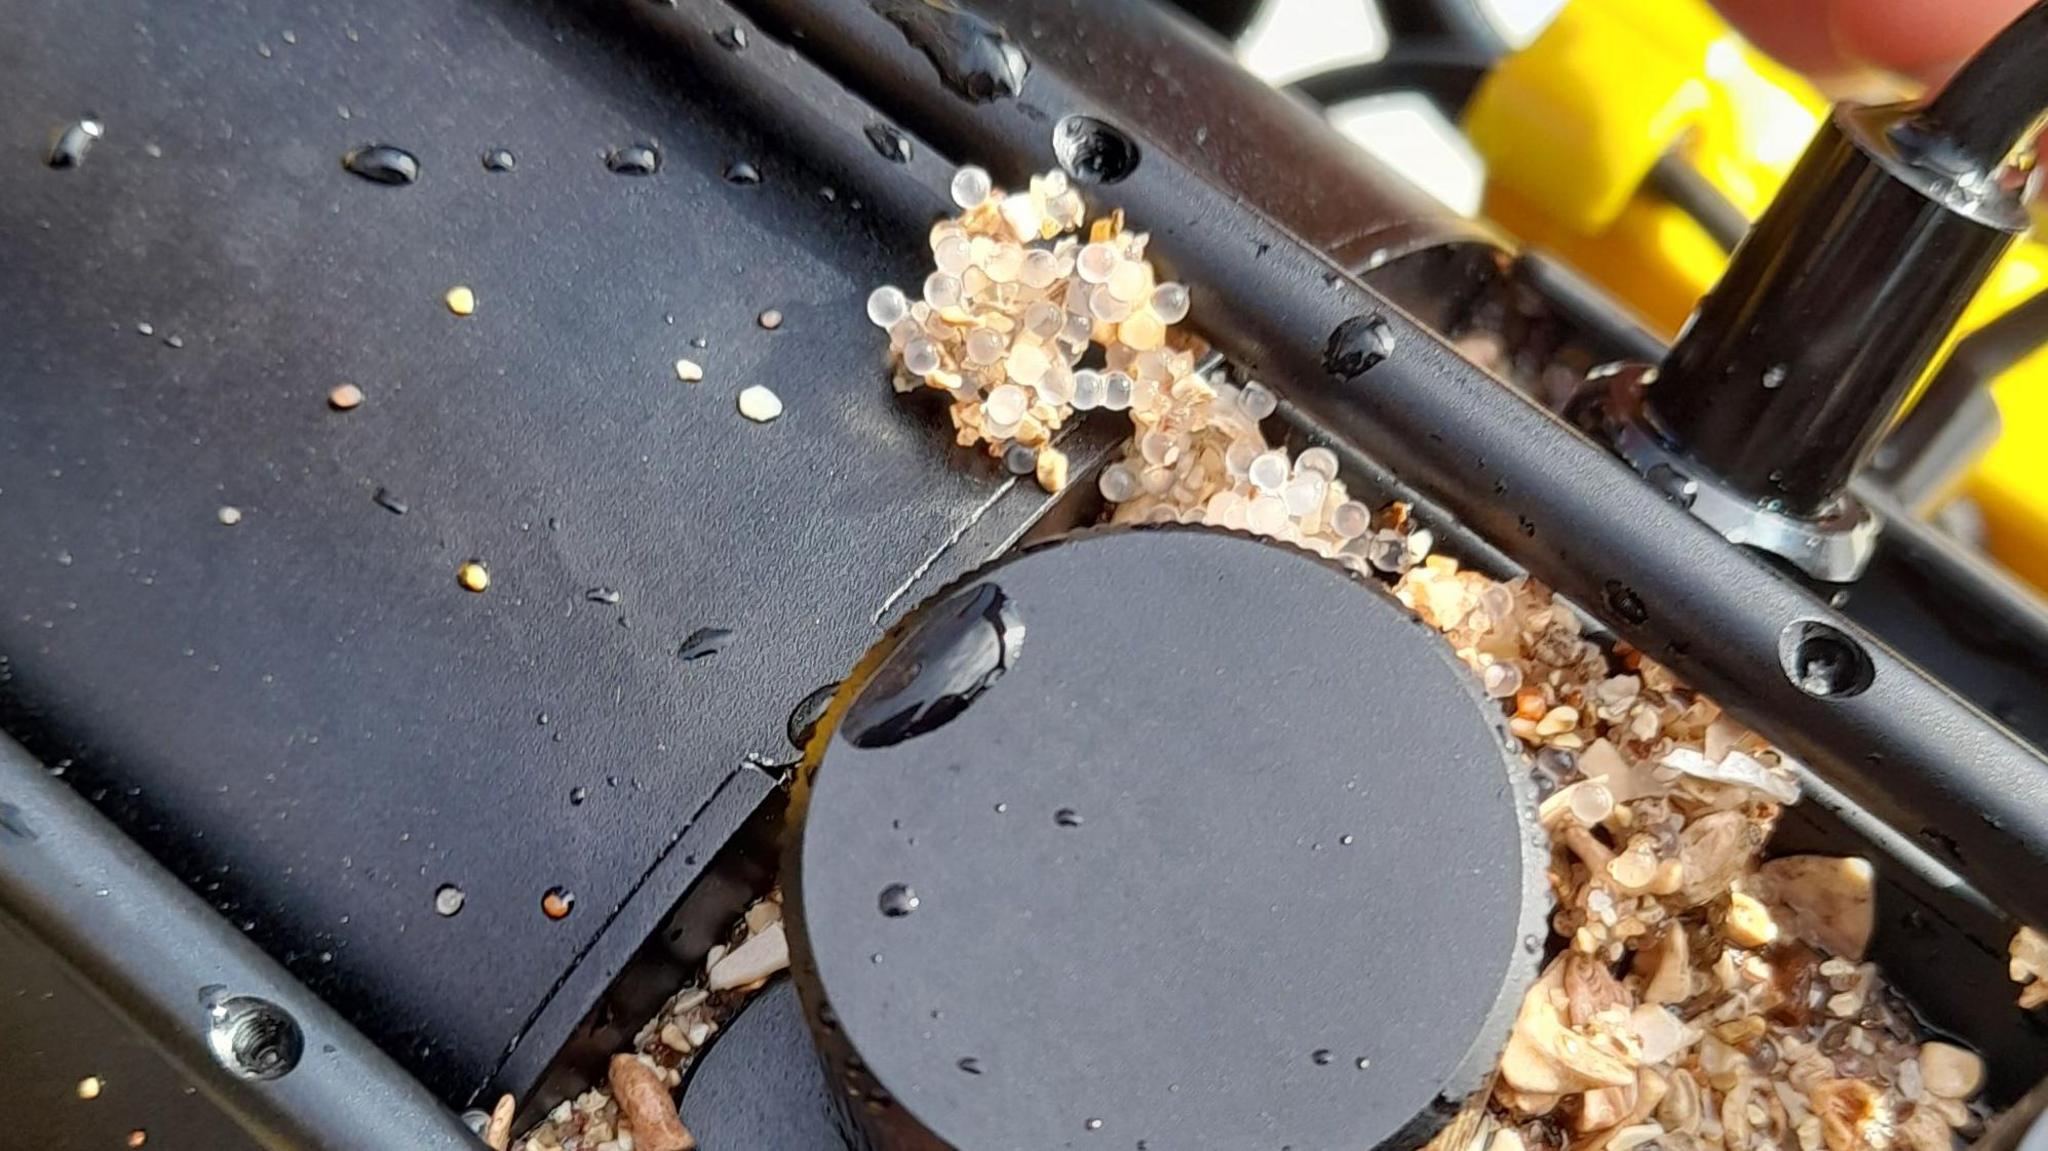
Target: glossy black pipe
(1574,516)
(155,953)
(1800,357)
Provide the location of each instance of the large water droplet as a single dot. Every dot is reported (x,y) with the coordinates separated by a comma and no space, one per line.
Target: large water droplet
(892,144)
(500,160)
(1067,817)
(73,142)
(382,164)
(634,160)
(898,900)
(957,649)
(704,642)
(975,58)
(448,900)
(742,173)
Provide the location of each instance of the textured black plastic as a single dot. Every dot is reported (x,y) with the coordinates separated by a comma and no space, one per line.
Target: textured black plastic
(303,715)
(1230,859)
(760,1086)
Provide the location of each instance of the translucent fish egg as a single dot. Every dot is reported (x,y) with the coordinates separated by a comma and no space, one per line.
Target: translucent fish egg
(886,305)
(1006,404)
(1501,680)
(1116,391)
(1159,448)
(1304,495)
(985,346)
(1269,471)
(952,255)
(1005,264)
(920,357)
(1257,401)
(1056,386)
(1129,281)
(971,186)
(1238,457)
(941,290)
(1040,269)
(1170,302)
(1118,484)
(1096,263)
(1350,519)
(1106,307)
(1266,515)
(1317,462)
(1088,390)
(1027,363)
(1044,320)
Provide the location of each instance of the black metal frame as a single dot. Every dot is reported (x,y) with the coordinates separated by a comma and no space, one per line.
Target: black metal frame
(1495,473)
(1907,749)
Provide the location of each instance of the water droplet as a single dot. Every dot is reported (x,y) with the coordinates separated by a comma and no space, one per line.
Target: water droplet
(1359,345)
(1093,1125)
(1364,1064)
(742,173)
(174,341)
(577,795)
(1322,1056)
(603,595)
(1093,151)
(1067,817)
(807,714)
(876,958)
(448,900)
(382,164)
(974,57)
(732,39)
(1347,840)
(389,502)
(500,160)
(634,160)
(1002,808)
(1774,377)
(970,1064)
(898,900)
(73,141)
(1676,486)
(704,642)
(1020,459)
(954,651)
(1625,602)
(557,902)
(892,144)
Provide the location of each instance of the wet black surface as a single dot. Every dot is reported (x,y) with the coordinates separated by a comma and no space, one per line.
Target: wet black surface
(303,714)
(59,1035)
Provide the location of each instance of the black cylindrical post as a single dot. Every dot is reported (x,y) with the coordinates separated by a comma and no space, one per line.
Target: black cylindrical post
(1834,305)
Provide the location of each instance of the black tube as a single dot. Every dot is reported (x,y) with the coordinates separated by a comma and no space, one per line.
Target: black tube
(1677,181)
(1996,103)
(1977,359)
(1446,75)
(1904,747)
(1843,292)
(161,960)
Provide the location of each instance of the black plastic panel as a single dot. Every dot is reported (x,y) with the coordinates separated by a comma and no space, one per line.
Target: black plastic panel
(302,714)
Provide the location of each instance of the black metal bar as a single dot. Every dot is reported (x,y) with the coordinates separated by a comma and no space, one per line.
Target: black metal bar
(1977,360)
(1903,746)
(161,959)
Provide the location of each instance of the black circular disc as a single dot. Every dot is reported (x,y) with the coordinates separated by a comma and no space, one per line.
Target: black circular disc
(1164,838)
